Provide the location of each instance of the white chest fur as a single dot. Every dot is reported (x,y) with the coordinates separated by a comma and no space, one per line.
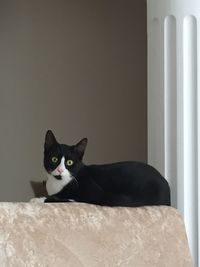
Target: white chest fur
(54,185)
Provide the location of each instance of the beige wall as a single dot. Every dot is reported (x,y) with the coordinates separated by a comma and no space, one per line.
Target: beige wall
(78,68)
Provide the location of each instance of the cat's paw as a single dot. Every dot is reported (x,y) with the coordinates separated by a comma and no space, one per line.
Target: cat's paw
(38,200)
(52,199)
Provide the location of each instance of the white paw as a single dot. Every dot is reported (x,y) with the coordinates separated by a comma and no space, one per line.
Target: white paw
(71,200)
(37,200)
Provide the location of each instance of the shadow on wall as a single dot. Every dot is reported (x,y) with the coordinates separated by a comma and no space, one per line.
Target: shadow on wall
(39,188)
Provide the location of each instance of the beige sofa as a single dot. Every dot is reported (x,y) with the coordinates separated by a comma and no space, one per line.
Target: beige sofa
(82,235)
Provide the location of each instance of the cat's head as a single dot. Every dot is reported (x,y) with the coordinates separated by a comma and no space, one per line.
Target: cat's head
(62,160)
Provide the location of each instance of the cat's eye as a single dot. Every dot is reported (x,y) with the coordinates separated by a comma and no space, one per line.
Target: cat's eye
(54,159)
(69,162)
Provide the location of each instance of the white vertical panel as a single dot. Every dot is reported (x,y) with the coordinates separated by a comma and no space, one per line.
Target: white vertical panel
(181,87)
(180,163)
(170,97)
(198,130)
(190,131)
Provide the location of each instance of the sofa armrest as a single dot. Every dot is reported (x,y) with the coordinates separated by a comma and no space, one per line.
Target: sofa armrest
(77,235)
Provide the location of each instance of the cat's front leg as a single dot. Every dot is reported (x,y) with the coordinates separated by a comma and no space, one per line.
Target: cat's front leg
(51,199)
(54,199)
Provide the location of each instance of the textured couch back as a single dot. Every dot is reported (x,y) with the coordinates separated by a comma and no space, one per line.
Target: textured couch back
(77,235)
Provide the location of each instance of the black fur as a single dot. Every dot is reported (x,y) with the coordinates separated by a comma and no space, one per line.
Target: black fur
(130,184)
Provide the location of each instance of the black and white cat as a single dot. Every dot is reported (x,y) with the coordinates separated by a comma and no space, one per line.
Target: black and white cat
(130,184)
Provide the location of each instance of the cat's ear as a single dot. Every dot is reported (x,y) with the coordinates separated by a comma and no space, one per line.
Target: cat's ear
(49,140)
(80,147)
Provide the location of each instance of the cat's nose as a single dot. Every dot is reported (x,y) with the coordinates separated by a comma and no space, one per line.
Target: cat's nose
(60,170)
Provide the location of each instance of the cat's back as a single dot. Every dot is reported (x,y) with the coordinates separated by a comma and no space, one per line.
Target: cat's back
(134,169)
(126,165)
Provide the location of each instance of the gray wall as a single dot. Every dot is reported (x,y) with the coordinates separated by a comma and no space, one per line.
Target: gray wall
(78,68)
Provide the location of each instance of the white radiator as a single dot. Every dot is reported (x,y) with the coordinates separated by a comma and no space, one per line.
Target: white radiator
(174,105)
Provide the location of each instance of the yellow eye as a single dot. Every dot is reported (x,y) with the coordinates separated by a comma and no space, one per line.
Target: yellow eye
(54,159)
(69,162)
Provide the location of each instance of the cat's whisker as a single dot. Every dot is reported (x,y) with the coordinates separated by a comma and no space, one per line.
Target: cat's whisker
(75,180)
